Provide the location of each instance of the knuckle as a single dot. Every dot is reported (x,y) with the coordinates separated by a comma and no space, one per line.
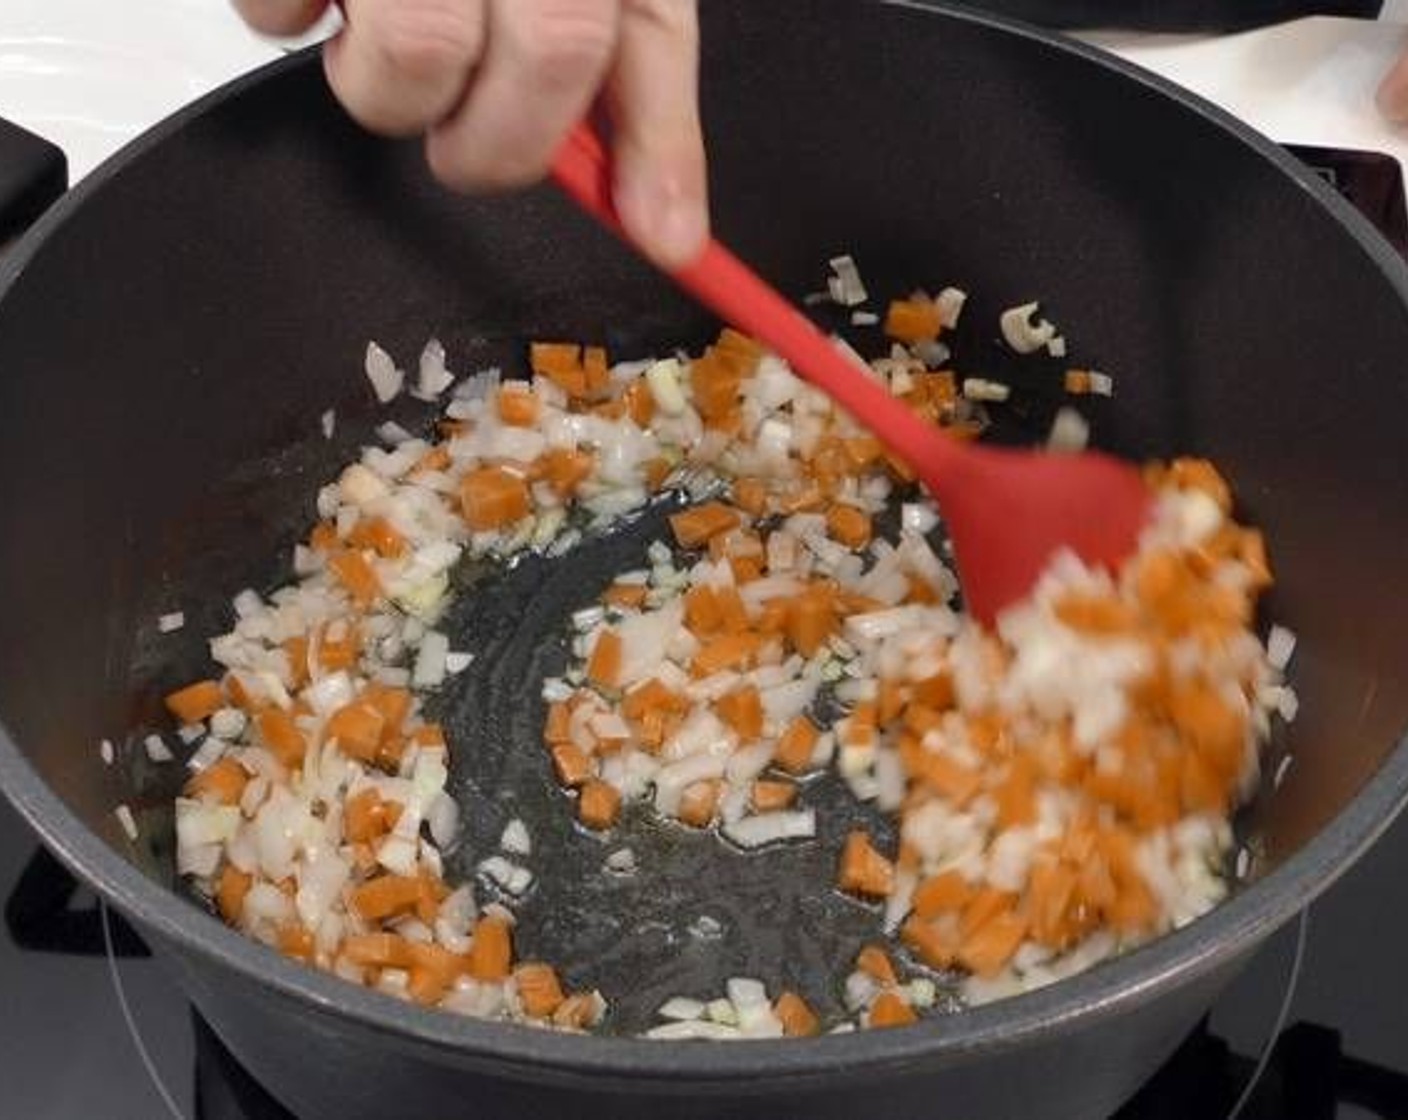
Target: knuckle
(464,167)
(568,38)
(676,17)
(426,39)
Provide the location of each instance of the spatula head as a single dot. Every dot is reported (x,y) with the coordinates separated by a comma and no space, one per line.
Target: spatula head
(1011,511)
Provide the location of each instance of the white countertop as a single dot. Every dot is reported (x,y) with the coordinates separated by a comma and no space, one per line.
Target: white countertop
(91,74)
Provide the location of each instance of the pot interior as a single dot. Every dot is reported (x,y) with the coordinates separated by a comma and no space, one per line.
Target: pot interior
(168,350)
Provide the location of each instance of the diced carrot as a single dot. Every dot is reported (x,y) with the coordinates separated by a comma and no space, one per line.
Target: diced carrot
(378,950)
(751,496)
(890,1010)
(797,1018)
(731,609)
(384,896)
(425,987)
(1016,793)
(849,526)
(876,963)
(738,350)
(694,526)
(796,746)
(811,620)
(518,404)
(945,893)
(742,710)
(929,942)
(237,694)
(560,363)
(597,368)
(1096,614)
(864,871)
(339,649)
(1051,888)
(196,702)
(899,468)
(281,735)
(639,402)
(1077,382)
(922,591)
(698,803)
(1201,475)
(324,537)
(491,950)
(944,776)
(222,781)
(429,735)
(576,1013)
(715,386)
(433,970)
(1094,883)
(988,948)
(295,941)
(628,596)
(231,891)
(538,989)
(891,701)
(863,451)
(393,703)
(772,618)
(436,459)
(604,664)
(558,728)
(768,796)
(357,727)
(296,653)
(367,817)
(379,535)
(860,725)
(565,469)
(571,763)
(1200,788)
(1216,730)
(935,691)
(357,576)
(444,965)
(653,695)
(808,499)
(657,471)
(729,651)
(702,613)
(913,320)
(985,902)
(493,497)
(430,892)
(598,804)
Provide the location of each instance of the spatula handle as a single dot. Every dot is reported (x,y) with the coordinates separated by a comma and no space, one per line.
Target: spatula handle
(730,288)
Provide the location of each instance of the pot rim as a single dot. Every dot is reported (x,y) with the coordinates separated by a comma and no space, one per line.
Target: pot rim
(1115,987)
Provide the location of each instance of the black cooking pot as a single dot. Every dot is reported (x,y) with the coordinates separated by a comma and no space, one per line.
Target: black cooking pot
(171,332)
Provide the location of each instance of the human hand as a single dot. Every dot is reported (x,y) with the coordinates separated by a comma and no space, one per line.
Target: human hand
(1393,92)
(495,85)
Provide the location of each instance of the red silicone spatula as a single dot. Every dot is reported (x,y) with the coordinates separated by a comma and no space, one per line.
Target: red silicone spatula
(1007,511)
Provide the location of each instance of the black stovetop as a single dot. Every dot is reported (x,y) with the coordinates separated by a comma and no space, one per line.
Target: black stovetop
(85,1036)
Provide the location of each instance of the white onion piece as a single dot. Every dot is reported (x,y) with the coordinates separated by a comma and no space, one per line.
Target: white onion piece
(768,828)
(381,371)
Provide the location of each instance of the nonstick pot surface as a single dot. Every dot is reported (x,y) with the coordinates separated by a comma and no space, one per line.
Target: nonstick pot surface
(171,333)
